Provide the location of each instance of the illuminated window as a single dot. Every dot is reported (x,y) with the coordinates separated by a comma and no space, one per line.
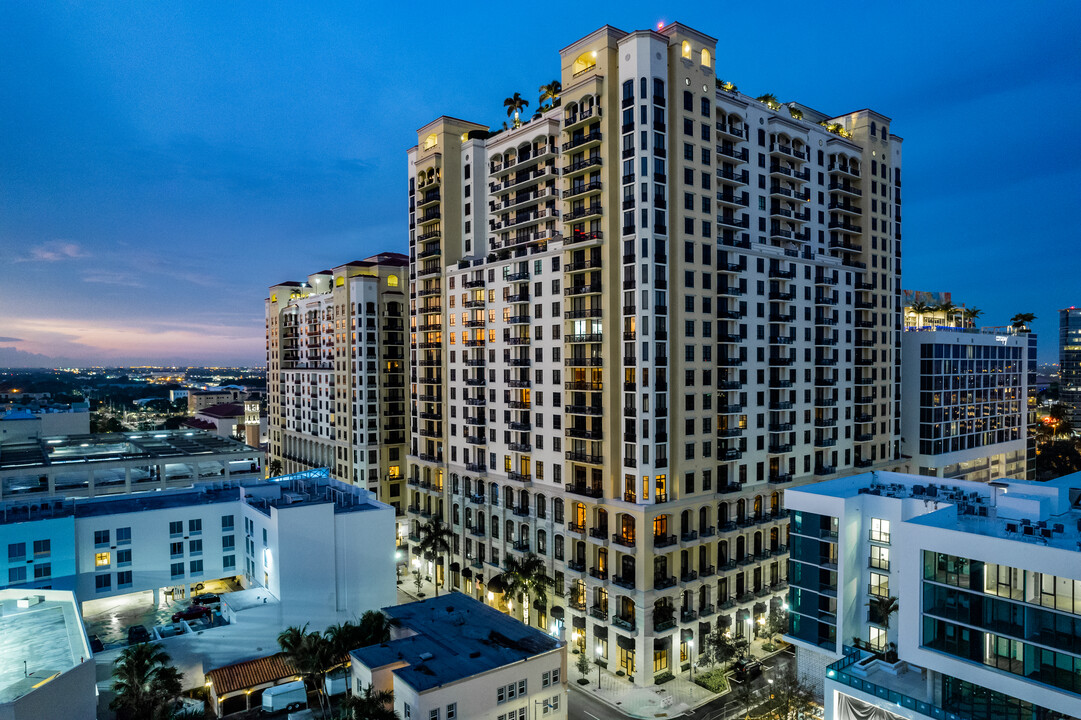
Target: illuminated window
(706,59)
(880,530)
(585,61)
(394,472)
(102,559)
(392,281)
(339,282)
(880,585)
(431,141)
(686,50)
(880,557)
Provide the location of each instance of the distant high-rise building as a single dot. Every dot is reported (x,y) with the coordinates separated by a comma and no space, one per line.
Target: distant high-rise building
(1069,360)
(968,394)
(336,371)
(636,317)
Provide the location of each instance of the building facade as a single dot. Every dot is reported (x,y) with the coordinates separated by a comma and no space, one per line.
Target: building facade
(455,658)
(336,369)
(966,412)
(317,545)
(984,584)
(636,318)
(1069,361)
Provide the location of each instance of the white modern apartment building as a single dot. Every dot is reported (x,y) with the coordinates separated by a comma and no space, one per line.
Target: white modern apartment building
(322,548)
(455,658)
(336,370)
(636,318)
(987,582)
(966,402)
(49,468)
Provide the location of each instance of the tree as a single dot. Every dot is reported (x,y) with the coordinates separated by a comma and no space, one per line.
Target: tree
(515,582)
(719,647)
(515,104)
(770,100)
(947,309)
(970,315)
(537,580)
(582,663)
(434,543)
(551,92)
(1020,321)
(881,609)
(919,309)
(796,113)
(145,683)
(311,654)
(727,86)
(1057,458)
(776,624)
(369,704)
(275,467)
(792,699)
(374,628)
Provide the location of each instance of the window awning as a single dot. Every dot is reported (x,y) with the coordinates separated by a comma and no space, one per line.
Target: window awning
(662,644)
(496,584)
(557,611)
(600,632)
(625,642)
(579,623)
(467,573)
(455,567)
(686,634)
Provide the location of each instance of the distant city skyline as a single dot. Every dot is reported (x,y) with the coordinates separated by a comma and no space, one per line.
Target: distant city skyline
(164,166)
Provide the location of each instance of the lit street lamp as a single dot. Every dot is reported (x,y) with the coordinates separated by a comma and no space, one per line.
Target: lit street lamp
(690,656)
(599,649)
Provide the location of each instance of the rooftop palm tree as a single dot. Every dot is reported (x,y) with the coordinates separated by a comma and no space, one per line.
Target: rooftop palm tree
(515,104)
(970,315)
(551,92)
(948,310)
(919,309)
(770,100)
(796,113)
(727,86)
(1020,321)
(434,542)
(145,683)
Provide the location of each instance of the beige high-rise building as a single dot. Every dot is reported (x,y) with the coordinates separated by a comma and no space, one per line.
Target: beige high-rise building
(636,318)
(336,371)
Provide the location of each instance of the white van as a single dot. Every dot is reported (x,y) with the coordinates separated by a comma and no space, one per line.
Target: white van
(287,696)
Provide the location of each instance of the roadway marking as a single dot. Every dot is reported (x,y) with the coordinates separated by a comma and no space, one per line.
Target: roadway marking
(591,715)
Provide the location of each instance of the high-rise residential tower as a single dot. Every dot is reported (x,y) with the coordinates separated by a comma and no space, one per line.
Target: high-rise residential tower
(1069,361)
(336,370)
(636,317)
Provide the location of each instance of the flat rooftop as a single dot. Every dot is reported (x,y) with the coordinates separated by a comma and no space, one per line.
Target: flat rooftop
(159,444)
(47,636)
(457,637)
(1041,513)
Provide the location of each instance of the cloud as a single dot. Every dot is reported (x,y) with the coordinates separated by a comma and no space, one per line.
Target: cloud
(54,251)
(10,340)
(105,277)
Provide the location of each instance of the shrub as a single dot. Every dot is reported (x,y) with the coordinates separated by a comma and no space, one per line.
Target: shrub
(663,678)
(714,680)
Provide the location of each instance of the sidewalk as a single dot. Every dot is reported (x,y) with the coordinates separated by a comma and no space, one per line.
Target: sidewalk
(675,697)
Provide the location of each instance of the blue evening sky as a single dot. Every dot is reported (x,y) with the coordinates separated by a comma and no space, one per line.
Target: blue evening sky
(161,164)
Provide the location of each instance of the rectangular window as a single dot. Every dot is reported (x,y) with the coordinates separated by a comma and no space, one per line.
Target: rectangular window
(176,529)
(880,530)
(176,570)
(226,523)
(176,549)
(195,527)
(123,557)
(16,575)
(102,559)
(16,552)
(123,579)
(880,585)
(196,567)
(103,583)
(42,548)
(228,562)
(228,543)
(123,536)
(101,537)
(43,570)
(195,547)
(433,714)
(452,711)
(880,557)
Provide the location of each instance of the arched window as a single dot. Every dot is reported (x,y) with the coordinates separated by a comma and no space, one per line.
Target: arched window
(559,547)
(585,61)
(874,128)
(686,49)
(542,542)
(706,59)
(392,281)
(510,531)
(542,507)
(431,141)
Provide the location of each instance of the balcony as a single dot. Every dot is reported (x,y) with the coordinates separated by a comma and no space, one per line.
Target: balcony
(592,491)
(737,154)
(845,189)
(597,611)
(625,541)
(589,289)
(598,573)
(780,478)
(661,582)
(622,622)
(583,457)
(595,410)
(581,189)
(661,541)
(582,140)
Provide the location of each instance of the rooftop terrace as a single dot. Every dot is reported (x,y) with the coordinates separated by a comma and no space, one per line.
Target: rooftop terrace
(47,636)
(457,637)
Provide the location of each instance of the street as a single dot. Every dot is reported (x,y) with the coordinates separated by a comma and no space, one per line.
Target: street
(583,706)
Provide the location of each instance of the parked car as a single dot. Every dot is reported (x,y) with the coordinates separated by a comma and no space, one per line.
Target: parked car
(192,612)
(137,634)
(747,669)
(96,645)
(206,599)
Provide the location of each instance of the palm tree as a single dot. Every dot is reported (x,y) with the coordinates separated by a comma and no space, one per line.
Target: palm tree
(515,104)
(1020,321)
(770,100)
(146,685)
(537,581)
(970,315)
(881,609)
(311,654)
(551,92)
(727,86)
(435,543)
(796,113)
(291,637)
(919,309)
(275,467)
(369,704)
(516,582)
(374,628)
(947,309)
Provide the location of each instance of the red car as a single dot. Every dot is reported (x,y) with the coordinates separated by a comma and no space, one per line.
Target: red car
(191,613)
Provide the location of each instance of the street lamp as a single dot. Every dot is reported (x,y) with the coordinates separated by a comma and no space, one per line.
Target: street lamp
(690,655)
(599,651)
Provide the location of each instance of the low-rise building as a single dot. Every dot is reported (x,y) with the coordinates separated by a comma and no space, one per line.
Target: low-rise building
(202,399)
(28,423)
(321,548)
(46,666)
(454,657)
(916,598)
